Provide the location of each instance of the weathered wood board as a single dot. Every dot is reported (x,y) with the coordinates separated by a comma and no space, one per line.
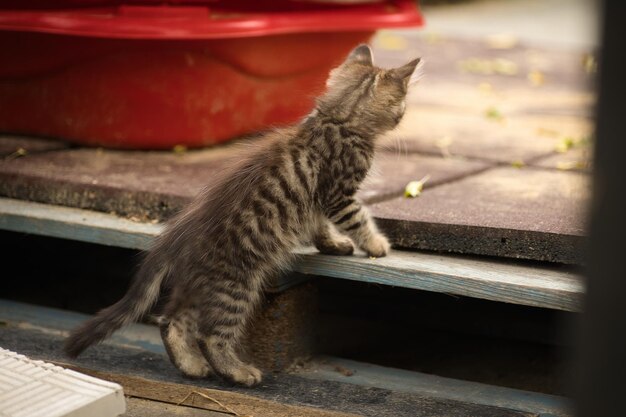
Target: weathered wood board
(138,407)
(541,286)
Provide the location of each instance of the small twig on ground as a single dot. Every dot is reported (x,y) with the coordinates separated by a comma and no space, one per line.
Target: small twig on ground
(225,407)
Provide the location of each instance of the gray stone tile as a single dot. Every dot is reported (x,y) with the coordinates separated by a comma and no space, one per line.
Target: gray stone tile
(576,159)
(392,171)
(146,185)
(520,138)
(518,213)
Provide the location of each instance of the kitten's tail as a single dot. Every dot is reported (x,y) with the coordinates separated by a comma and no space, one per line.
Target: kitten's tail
(141,296)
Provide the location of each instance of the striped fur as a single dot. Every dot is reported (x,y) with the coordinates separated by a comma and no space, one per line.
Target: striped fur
(215,258)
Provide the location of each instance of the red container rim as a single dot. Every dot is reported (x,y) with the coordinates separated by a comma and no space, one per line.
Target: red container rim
(202,19)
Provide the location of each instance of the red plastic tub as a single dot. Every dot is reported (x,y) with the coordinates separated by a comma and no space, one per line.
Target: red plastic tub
(195,73)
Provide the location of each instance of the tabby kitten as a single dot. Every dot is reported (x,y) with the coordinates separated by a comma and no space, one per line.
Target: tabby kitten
(214,259)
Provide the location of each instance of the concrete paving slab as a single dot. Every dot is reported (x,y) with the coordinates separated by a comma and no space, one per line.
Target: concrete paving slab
(511,101)
(576,159)
(471,61)
(559,23)
(10,145)
(461,74)
(145,185)
(154,185)
(392,171)
(517,213)
(482,135)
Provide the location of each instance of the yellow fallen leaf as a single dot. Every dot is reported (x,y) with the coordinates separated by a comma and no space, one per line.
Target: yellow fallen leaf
(518,163)
(569,165)
(547,132)
(392,42)
(501,41)
(488,66)
(476,66)
(19,152)
(505,66)
(493,114)
(536,78)
(565,144)
(179,149)
(569,142)
(589,64)
(414,188)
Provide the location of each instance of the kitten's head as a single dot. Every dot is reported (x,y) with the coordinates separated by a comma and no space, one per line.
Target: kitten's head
(364,96)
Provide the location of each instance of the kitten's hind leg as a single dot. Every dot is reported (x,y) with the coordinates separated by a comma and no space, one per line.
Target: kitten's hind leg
(179,334)
(222,326)
(225,361)
(330,242)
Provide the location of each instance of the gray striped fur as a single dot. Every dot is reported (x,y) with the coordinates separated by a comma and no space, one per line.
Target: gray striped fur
(215,258)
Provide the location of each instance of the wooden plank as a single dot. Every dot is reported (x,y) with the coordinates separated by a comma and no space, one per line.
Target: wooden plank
(505,281)
(60,322)
(487,279)
(138,407)
(227,402)
(76,224)
(369,375)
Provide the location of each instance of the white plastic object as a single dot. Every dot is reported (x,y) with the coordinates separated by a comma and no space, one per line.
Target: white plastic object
(31,388)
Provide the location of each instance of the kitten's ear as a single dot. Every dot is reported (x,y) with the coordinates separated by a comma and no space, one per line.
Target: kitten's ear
(361,54)
(407,71)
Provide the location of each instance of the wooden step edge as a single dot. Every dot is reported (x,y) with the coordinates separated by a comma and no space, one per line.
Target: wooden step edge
(229,403)
(328,368)
(60,322)
(504,281)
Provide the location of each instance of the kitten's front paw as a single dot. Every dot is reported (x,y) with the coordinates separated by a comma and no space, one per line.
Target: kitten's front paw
(246,375)
(340,247)
(378,246)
